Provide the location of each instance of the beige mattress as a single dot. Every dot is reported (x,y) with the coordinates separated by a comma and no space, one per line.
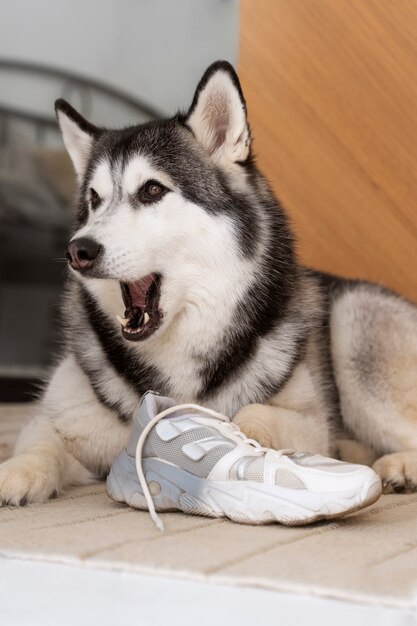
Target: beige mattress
(370,556)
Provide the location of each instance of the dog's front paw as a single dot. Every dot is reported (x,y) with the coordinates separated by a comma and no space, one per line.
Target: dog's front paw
(26,478)
(398,472)
(252,421)
(352,451)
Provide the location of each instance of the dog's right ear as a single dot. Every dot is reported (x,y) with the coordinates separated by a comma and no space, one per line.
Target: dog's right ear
(217,116)
(78,135)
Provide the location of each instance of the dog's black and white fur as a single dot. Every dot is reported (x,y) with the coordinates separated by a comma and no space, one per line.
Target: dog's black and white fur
(302,359)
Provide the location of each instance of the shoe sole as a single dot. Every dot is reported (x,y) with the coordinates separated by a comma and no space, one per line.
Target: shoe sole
(246,502)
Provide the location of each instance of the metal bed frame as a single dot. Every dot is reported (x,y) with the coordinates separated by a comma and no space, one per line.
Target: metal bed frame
(87,91)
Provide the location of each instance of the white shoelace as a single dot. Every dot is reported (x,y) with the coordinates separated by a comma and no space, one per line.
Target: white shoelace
(173,409)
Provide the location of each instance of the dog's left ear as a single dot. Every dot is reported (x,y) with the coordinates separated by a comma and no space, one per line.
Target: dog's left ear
(217,115)
(78,135)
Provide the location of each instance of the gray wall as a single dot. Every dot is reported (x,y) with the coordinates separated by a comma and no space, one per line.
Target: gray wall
(153,49)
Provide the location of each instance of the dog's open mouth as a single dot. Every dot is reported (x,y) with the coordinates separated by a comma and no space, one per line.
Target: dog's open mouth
(142,315)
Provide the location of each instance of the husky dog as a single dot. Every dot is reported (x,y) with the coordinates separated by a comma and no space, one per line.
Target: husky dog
(184,280)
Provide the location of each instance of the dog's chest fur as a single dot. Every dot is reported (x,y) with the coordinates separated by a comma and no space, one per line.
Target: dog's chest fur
(186,363)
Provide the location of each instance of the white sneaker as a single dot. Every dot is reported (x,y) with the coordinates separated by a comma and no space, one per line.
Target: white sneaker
(193,459)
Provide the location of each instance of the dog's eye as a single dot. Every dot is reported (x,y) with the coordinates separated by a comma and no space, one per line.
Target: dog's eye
(151,191)
(94,198)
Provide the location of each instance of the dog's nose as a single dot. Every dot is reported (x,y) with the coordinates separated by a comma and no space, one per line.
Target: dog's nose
(82,252)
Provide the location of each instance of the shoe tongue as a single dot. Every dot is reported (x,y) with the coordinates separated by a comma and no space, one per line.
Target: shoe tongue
(152,404)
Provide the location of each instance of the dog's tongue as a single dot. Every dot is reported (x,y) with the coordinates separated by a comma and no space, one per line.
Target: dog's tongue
(139,290)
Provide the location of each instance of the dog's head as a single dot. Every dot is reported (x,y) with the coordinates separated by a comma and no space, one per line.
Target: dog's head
(163,206)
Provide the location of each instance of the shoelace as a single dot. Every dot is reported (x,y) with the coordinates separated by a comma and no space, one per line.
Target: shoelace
(200,409)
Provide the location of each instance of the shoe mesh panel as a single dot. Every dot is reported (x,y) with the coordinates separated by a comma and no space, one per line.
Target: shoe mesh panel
(254,469)
(250,468)
(238,467)
(288,480)
(172,450)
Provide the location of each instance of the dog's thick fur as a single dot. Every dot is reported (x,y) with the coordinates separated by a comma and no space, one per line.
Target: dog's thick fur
(302,359)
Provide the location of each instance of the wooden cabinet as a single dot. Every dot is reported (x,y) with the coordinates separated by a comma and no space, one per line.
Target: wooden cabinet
(331,87)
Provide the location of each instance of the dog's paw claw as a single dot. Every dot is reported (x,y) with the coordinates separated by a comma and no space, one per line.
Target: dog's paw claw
(23,480)
(398,472)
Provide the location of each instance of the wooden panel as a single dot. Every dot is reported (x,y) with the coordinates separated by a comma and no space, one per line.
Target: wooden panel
(331,87)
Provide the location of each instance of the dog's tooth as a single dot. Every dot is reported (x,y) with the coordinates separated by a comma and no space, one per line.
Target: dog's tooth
(122,320)
(146,317)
